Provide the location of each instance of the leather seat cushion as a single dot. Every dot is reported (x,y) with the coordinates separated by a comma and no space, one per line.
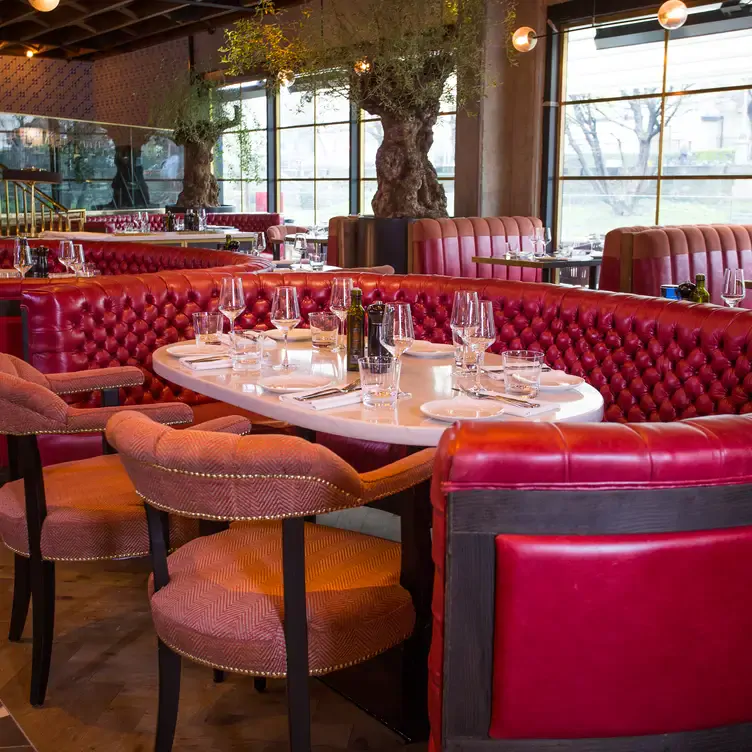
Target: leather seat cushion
(224,607)
(93,512)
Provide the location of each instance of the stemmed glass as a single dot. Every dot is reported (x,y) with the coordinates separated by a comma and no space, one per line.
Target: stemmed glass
(339,303)
(301,244)
(22,260)
(733,287)
(543,235)
(66,254)
(78,264)
(285,315)
(260,244)
(397,332)
(231,302)
(479,338)
(464,321)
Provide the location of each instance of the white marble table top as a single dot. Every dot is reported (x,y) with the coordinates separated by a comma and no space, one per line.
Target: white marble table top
(425,379)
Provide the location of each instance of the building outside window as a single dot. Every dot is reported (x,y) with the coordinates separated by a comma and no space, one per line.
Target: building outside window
(654,129)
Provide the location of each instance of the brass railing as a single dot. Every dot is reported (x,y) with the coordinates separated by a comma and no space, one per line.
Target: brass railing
(29,211)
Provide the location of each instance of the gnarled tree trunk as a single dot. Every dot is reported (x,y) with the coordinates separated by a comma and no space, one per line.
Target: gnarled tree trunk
(200,187)
(407,182)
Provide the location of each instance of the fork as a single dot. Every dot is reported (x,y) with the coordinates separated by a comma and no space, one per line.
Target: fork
(498,398)
(330,392)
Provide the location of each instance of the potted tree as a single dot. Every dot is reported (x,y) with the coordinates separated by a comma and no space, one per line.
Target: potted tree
(391,58)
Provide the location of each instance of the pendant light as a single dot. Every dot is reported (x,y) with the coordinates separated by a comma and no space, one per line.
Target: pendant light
(44,6)
(524,39)
(673,14)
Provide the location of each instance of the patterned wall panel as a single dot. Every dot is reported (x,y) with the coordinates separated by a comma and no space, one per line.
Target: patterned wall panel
(128,88)
(51,88)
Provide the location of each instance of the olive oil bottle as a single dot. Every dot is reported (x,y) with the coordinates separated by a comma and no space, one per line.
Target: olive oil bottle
(701,294)
(356,334)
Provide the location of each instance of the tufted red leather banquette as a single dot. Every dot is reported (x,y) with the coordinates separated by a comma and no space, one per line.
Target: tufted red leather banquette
(641,259)
(591,584)
(245,222)
(652,359)
(446,246)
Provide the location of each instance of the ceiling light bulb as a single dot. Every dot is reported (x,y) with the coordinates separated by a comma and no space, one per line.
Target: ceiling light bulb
(286,78)
(362,66)
(524,39)
(44,5)
(673,14)
(29,53)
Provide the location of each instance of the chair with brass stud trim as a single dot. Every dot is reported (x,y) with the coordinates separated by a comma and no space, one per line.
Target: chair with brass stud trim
(272,596)
(85,510)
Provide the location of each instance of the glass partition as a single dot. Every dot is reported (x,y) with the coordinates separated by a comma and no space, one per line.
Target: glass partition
(104,166)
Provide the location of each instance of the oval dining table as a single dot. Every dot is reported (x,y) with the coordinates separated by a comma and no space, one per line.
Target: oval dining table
(391,687)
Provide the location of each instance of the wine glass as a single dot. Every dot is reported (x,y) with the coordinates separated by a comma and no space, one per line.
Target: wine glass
(339,303)
(465,315)
(231,302)
(285,315)
(397,331)
(22,260)
(733,287)
(79,259)
(479,338)
(260,244)
(66,254)
(301,244)
(543,235)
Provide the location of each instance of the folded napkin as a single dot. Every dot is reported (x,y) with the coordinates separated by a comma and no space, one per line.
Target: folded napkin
(519,411)
(195,364)
(324,403)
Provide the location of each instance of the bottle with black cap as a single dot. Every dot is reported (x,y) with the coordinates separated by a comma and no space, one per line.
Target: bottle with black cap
(375,314)
(356,335)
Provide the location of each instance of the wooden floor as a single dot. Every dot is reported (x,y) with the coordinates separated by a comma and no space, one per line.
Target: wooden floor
(103,685)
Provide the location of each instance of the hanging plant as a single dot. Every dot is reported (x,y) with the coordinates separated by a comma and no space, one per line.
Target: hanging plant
(392,58)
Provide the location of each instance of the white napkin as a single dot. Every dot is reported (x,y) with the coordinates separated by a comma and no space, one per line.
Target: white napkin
(324,403)
(194,364)
(524,412)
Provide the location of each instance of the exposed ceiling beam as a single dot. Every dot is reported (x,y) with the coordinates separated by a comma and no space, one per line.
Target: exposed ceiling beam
(78,19)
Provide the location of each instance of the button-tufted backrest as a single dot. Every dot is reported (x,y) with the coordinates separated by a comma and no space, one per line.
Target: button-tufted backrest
(447,246)
(641,259)
(245,222)
(651,359)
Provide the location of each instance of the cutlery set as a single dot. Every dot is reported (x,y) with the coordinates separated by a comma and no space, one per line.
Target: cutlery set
(330,392)
(498,398)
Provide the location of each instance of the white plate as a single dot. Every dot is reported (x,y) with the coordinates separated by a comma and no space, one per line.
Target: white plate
(295,335)
(558,381)
(183,350)
(420,348)
(462,408)
(293,382)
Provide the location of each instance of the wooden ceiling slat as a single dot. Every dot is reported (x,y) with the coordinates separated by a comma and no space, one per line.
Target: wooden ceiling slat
(79,18)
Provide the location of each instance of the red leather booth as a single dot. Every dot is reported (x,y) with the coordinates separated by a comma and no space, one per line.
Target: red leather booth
(592,587)
(641,259)
(245,222)
(446,246)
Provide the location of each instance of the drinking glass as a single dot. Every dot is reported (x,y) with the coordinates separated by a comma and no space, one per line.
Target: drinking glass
(79,259)
(22,260)
(247,352)
(285,315)
(565,249)
(397,331)
(480,338)
(379,379)
(733,287)
(465,315)
(324,328)
(231,302)
(66,255)
(513,245)
(260,244)
(340,302)
(301,244)
(544,239)
(316,258)
(522,371)
(207,327)
(202,219)
(535,243)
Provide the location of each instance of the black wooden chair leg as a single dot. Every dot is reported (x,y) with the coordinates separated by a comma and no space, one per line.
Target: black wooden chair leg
(21,597)
(259,683)
(219,676)
(43,615)
(169,697)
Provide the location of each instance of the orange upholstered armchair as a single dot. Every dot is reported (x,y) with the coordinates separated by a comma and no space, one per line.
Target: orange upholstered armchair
(641,259)
(273,596)
(447,246)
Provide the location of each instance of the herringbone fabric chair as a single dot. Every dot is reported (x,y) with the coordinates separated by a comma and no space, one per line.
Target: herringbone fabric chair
(271,596)
(75,511)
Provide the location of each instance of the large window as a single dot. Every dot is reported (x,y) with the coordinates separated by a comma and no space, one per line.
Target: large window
(323,161)
(654,129)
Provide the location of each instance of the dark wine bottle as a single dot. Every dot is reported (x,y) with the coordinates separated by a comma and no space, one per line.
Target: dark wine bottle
(356,335)
(375,322)
(701,294)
